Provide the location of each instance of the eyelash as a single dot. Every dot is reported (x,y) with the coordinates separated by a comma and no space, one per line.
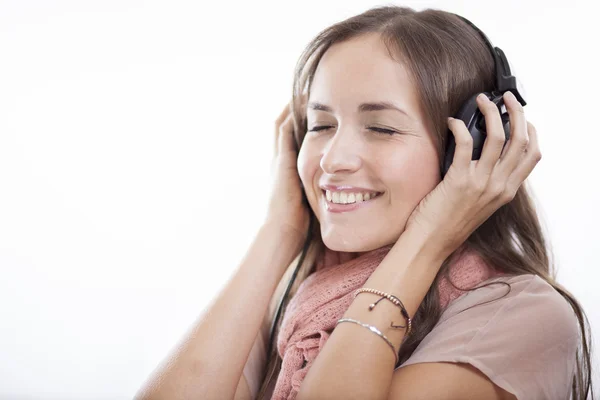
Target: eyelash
(378,130)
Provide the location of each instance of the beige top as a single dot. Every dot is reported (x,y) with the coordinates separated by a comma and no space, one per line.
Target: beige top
(524,342)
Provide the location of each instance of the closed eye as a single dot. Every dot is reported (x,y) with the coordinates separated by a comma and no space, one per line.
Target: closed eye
(373,128)
(319,128)
(383,130)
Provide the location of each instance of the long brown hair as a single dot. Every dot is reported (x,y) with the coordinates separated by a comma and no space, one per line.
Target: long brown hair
(449,62)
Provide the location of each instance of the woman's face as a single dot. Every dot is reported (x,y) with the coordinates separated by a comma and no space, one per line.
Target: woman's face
(353,156)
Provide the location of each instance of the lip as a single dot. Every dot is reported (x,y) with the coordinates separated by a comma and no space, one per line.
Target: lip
(342,208)
(347,188)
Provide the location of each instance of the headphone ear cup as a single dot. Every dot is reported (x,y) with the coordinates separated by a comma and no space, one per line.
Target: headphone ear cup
(506,124)
(474,120)
(471,116)
(504,117)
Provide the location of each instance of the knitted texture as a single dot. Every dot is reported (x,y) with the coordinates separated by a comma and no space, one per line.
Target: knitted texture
(326,294)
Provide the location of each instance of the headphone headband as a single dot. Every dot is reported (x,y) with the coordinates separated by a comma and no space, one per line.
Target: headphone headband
(504,80)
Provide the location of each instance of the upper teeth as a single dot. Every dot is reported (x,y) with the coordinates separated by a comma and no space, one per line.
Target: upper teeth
(346,198)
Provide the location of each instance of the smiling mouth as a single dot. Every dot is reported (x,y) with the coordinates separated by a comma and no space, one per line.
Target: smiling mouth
(343,198)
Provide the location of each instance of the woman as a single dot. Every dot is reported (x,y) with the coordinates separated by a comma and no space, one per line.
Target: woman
(417,282)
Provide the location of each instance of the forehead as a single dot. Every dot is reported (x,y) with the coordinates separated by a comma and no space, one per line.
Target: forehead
(361,69)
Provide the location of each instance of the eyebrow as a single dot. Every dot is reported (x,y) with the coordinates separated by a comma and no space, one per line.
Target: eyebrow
(364,107)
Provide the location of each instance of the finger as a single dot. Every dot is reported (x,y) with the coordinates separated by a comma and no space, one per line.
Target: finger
(464,145)
(519,137)
(532,156)
(284,113)
(304,99)
(286,140)
(495,138)
(302,104)
(279,121)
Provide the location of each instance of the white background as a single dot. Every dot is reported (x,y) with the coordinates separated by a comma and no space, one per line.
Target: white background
(135,146)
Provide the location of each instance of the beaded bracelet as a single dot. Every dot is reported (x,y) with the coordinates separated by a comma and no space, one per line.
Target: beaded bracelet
(394,300)
(374,330)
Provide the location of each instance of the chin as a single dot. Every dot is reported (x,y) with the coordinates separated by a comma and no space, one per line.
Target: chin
(351,243)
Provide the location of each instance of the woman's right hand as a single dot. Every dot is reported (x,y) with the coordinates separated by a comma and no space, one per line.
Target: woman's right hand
(286,206)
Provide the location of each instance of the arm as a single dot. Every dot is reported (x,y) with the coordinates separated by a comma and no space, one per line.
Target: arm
(243,390)
(345,370)
(210,360)
(253,369)
(257,361)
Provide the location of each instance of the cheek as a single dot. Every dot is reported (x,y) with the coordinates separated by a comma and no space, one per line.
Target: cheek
(412,174)
(307,164)
(302,165)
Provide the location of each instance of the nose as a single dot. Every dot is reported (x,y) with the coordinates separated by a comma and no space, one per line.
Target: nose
(342,152)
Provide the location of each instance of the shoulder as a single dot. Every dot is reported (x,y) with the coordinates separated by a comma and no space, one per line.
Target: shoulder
(512,302)
(523,337)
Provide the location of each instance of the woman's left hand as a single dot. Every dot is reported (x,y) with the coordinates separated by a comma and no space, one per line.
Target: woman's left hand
(472,190)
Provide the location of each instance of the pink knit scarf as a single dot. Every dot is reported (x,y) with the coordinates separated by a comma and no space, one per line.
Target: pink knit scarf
(325,295)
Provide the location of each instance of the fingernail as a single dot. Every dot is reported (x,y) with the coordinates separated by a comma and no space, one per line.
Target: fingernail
(482,97)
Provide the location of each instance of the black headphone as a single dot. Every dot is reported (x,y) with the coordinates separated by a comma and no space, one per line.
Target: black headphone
(475,123)
(469,112)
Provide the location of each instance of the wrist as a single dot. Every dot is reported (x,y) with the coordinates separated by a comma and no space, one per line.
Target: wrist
(285,234)
(419,244)
(292,232)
